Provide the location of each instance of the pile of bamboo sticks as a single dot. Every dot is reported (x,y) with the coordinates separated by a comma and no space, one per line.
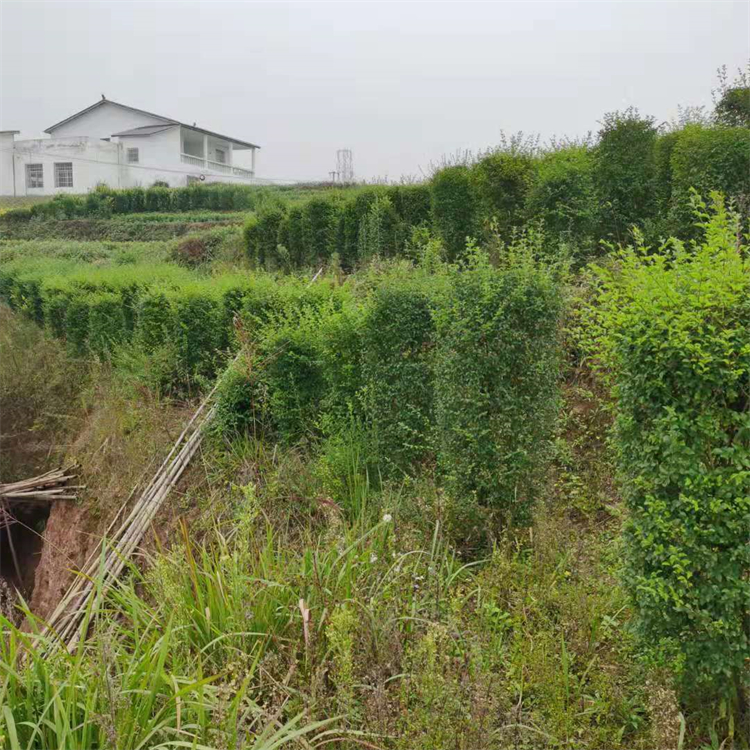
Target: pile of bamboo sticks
(45,488)
(40,490)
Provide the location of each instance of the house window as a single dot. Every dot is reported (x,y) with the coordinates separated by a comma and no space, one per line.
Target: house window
(132,155)
(34,175)
(63,174)
(221,156)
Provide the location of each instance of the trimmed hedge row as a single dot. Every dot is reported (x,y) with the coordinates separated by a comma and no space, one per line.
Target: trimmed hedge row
(453,368)
(373,221)
(115,230)
(104,202)
(632,177)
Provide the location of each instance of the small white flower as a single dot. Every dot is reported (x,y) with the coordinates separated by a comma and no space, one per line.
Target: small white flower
(373,558)
(387,518)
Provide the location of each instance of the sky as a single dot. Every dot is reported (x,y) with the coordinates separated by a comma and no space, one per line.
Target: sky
(401,84)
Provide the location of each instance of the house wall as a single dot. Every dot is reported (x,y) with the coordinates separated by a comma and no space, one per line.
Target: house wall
(94,162)
(6,163)
(102,121)
(158,159)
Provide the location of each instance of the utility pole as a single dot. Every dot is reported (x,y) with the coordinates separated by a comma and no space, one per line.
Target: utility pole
(344,165)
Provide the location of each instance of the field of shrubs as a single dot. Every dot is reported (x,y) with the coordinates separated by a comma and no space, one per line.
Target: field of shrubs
(479,474)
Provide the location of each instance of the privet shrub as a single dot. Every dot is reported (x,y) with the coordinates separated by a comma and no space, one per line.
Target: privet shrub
(398,349)
(155,319)
(241,400)
(625,172)
(378,230)
(261,234)
(676,337)
(107,323)
(495,381)
(562,194)
(501,183)
(412,203)
(318,227)
(453,209)
(197,335)
(708,159)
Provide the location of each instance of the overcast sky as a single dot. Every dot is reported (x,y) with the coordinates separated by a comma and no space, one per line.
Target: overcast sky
(398,83)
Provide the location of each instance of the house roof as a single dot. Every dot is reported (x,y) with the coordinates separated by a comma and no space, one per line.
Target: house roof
(148,129)
(145,130)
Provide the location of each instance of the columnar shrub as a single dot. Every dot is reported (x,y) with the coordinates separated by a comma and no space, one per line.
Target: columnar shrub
(562,194)
(625,172)
(453,210)
(412,203)
(378,235)
(107,322)
(155,321)
(495,383)
(197,335)
(261,234)
(318,227)
(676,339)
(707,159)
(501,183)
(398,353)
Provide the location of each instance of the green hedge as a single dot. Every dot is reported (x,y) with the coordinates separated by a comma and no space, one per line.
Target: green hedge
(496,382)
(675,334)
(625,173)
(563,195)
(708,159)
(398,347)
(501,183)
(454,214)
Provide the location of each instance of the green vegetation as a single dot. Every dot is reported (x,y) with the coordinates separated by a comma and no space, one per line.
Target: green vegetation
(477,476)
(675,337)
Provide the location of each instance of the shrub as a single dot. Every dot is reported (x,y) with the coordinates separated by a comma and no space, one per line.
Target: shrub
(708,159)
(318,227)
(107,323)
(378,235)
(412,203)
(675,334)
(261,234)
(452,207)
(495,382)
(563,195)
(625,172)
(398,345)
(155,320)
(158,199)
(240,400)
(501,183)
(197,335)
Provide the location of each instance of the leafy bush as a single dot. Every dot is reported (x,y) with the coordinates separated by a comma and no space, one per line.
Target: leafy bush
(453,211)
(625,172)
(318,228)
(378,235)
(398,345)
(675,332)
(708,159)
(563,196)
(495,381)
(261,234)
(501,183)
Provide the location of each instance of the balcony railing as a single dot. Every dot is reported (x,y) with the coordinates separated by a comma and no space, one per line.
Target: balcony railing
(215,166)
(196,161)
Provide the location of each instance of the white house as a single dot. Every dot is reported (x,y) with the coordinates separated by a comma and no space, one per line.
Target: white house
(120,146)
